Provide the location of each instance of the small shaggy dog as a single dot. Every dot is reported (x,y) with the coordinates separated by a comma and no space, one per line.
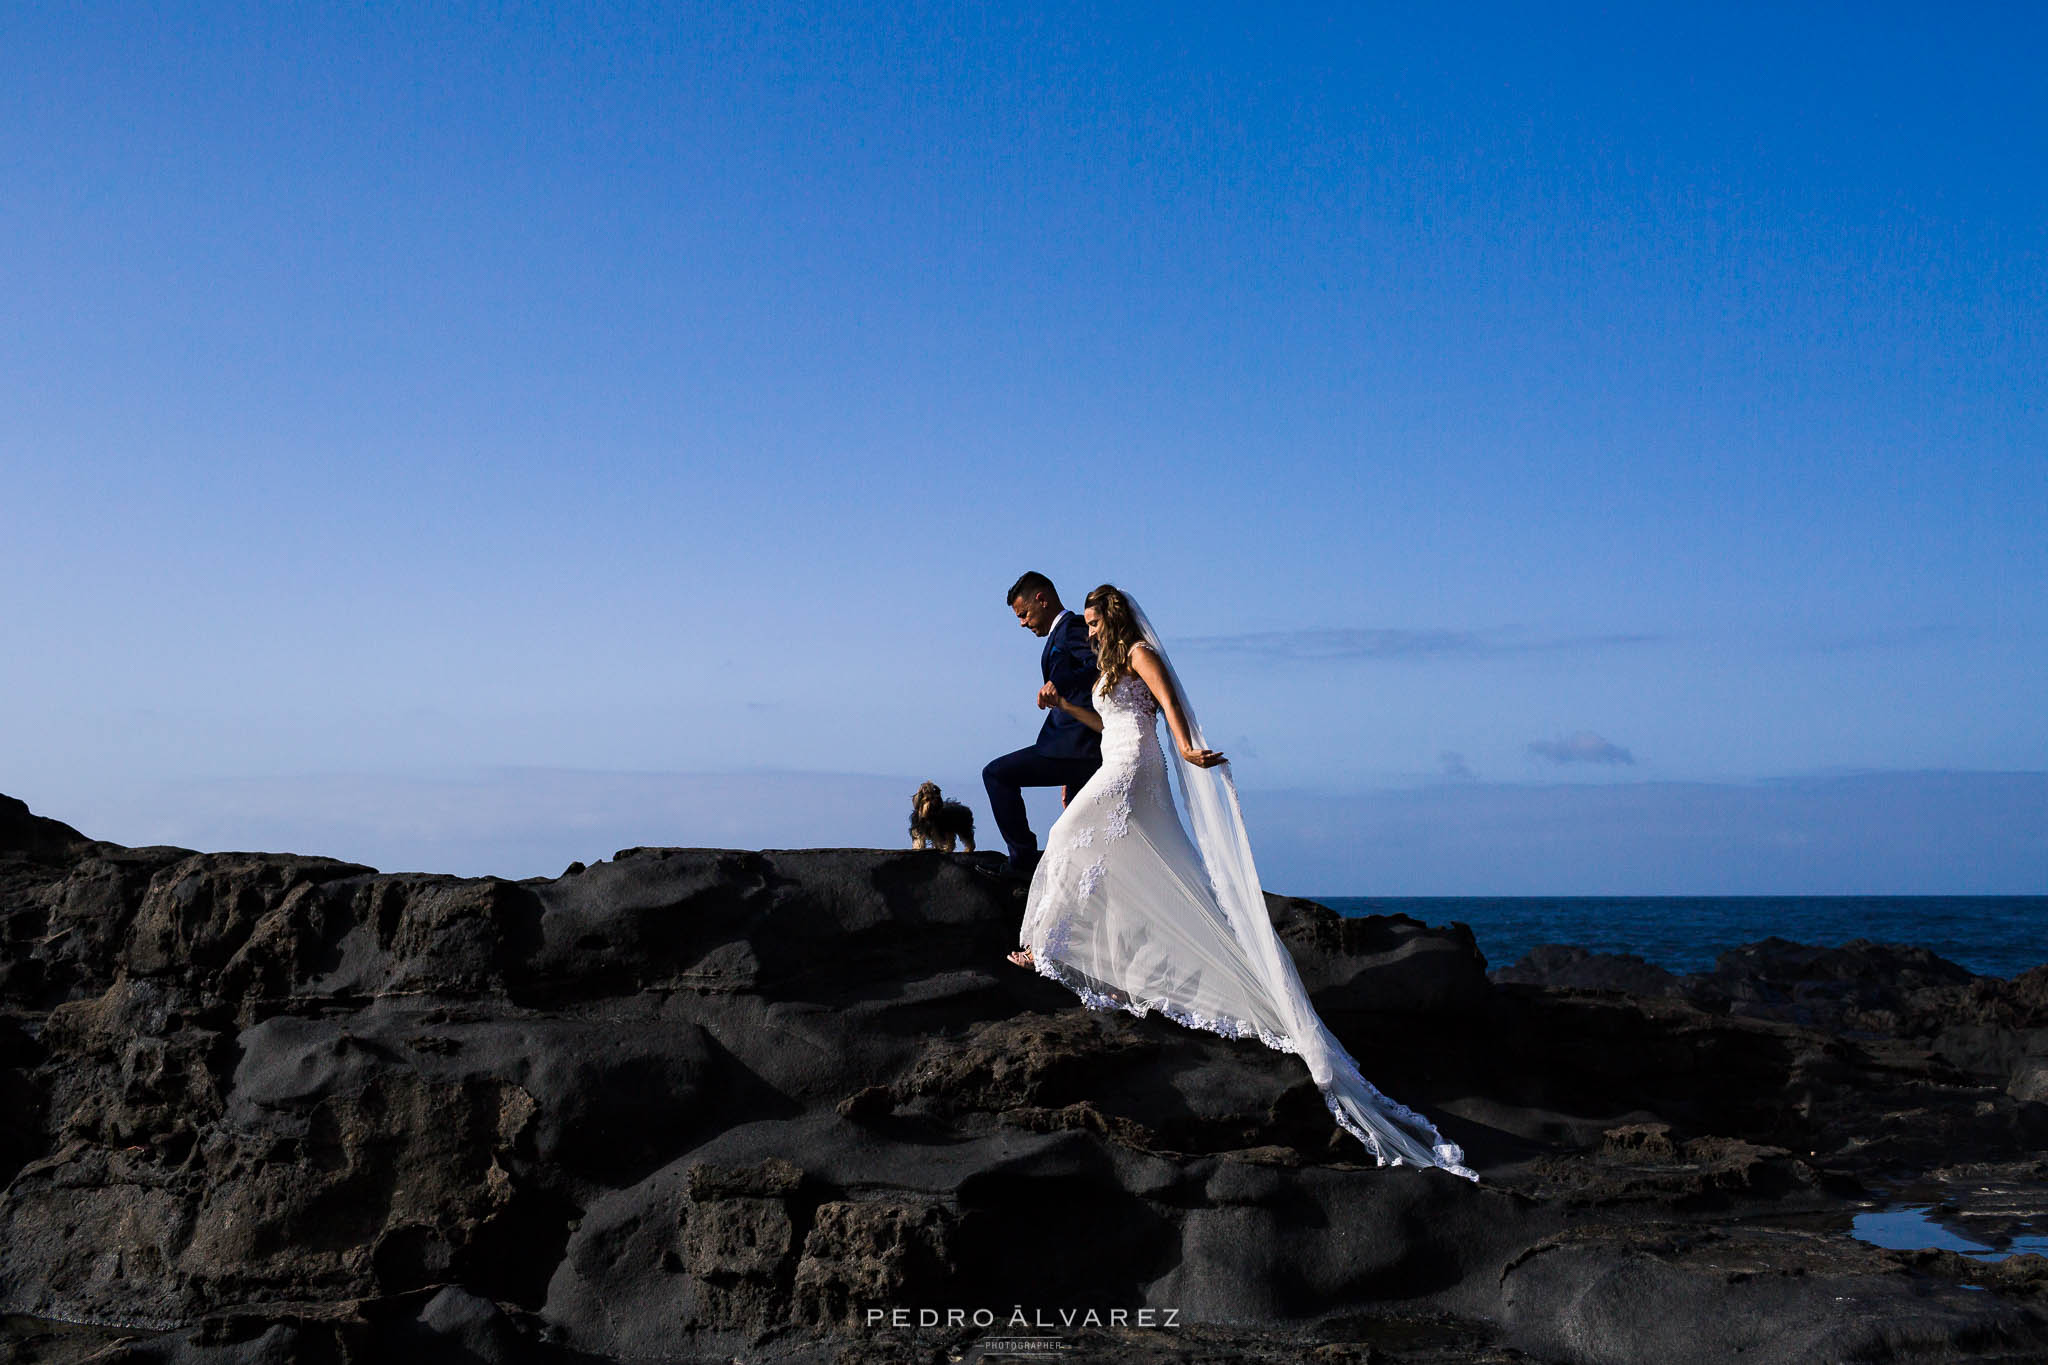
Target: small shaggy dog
(936,822)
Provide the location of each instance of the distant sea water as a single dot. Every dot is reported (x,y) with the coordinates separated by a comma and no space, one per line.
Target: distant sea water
(1989,935)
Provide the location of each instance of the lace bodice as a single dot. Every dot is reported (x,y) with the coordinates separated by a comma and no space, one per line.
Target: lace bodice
(1128,710)
(1133,767)
(1128,693)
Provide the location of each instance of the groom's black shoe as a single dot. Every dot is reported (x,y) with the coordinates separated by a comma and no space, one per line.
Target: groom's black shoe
(1010,869)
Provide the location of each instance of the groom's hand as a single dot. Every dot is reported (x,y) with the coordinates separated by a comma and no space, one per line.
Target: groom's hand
(1048,698)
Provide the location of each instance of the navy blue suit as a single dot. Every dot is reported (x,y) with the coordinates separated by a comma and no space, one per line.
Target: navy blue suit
(1067,752)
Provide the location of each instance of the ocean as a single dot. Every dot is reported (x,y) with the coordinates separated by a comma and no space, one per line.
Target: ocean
(1989,935)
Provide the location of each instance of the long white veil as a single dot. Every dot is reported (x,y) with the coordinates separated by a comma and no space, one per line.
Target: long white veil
(1393,1132)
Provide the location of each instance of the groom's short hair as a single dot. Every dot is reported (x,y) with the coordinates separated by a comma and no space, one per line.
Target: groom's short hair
(1029,586)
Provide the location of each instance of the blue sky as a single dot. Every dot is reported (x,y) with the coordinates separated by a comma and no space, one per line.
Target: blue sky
(474,437)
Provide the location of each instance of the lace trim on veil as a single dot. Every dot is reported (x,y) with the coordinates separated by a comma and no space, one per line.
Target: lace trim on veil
(1097,995)
(1448,1155)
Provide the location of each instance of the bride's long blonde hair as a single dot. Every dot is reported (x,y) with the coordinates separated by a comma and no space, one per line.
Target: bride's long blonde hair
(1118,632)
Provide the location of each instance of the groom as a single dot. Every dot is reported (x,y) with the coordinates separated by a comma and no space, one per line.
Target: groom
(1067,752)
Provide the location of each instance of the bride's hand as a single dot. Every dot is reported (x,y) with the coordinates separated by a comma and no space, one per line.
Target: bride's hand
(1203,758)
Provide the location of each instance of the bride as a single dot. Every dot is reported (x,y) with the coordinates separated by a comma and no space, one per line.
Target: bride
(1127,913)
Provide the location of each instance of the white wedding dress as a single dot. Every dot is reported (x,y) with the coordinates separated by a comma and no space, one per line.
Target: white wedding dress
(1129,914)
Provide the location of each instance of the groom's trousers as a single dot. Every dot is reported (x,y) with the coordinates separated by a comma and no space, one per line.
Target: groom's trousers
(1006,777)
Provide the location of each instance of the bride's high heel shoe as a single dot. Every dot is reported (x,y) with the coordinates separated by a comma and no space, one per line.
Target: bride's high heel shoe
(1022,958)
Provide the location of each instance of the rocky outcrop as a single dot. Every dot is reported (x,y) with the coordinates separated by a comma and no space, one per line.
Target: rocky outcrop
(1996,1031)
(698,1104)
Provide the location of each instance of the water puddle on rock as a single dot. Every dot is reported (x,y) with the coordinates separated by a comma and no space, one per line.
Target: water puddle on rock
(1914,1228)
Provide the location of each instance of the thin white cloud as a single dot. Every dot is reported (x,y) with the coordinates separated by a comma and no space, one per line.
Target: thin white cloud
(1583,747)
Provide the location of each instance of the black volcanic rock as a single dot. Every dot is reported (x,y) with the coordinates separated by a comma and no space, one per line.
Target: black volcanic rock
(1861,987)
(26,835)
(1556,964)
(1380,964)
(1994,1031)
(1654,1293)
(699,1104)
